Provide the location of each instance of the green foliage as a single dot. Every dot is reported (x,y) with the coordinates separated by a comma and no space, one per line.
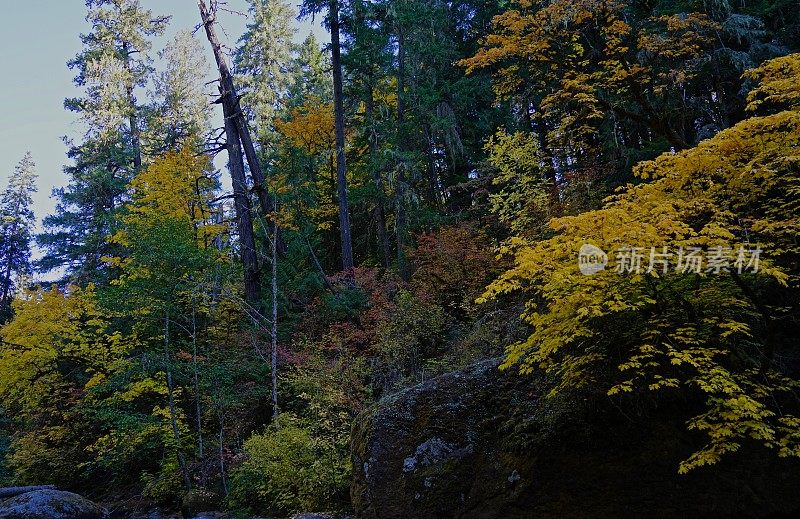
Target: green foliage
(16,230)
(5,443)
(148,372)
(413,334)
(288,470)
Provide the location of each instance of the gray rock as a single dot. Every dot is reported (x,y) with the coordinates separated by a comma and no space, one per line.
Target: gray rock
(210,515)
(50,504)
(482,443)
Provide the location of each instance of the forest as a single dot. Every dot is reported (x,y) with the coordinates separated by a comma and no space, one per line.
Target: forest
(253,252)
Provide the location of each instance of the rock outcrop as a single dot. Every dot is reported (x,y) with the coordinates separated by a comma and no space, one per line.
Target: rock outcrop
(49,504)
(481,443)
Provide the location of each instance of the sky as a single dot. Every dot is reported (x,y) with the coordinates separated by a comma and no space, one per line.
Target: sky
(37,38)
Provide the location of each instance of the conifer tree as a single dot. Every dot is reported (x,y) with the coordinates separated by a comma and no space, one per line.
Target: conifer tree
(311,77)
(17,227)
(263,62)
(115,60)
(181,104)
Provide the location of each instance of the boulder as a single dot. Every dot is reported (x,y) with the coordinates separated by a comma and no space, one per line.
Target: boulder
(50,504)
(484,443)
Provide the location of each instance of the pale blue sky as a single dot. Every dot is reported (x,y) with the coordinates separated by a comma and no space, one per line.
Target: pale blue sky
(37,38)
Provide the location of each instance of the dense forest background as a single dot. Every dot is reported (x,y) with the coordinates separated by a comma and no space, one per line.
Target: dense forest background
(398,200)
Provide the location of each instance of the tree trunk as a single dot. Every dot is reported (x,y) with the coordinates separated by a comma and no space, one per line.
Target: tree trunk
(197,407)
(380,209)
(230,97)
(400,192)
(247,243)
(9,266)
(176,433)
(341,168)
(274,352)
(224,480)
(136,138)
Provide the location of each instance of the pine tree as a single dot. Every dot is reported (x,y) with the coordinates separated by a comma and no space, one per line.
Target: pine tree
(263,62)
(17,227)
(114,62)
(181,105)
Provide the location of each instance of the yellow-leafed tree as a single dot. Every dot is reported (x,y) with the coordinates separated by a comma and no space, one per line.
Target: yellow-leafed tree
(721,331)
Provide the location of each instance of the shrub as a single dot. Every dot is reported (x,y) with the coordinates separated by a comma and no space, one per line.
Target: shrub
(287,470)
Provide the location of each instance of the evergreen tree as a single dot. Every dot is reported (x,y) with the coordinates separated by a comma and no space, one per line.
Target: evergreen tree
(181,106)
(263,62)
(311,76)
(114,62)
(17,228)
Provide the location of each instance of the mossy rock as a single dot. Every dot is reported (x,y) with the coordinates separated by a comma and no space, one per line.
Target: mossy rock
(484,443)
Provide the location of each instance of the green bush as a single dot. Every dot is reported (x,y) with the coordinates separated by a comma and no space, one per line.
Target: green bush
(407,342)
(288,470)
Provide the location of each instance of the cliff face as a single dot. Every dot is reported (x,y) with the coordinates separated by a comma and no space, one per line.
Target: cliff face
(481,443)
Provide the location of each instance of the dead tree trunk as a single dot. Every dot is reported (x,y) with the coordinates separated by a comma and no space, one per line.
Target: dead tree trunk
(230,97)
(247,241)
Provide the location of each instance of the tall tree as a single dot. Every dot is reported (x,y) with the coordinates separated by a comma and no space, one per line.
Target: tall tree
(237,134)
(115,60)
(311,7)
(181,105)
(17,227)
(263,61)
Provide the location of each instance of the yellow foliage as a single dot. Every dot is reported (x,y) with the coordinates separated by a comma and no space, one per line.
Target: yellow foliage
(310,127)
(51,327)
(778,87)
(669,330)
(179,185)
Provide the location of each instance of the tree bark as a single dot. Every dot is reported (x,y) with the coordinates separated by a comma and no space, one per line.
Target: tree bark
(230,97)
(341,168)
(401,219)
(377,179)
(172,413)
(247,242)
(274,352)
(196,380)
